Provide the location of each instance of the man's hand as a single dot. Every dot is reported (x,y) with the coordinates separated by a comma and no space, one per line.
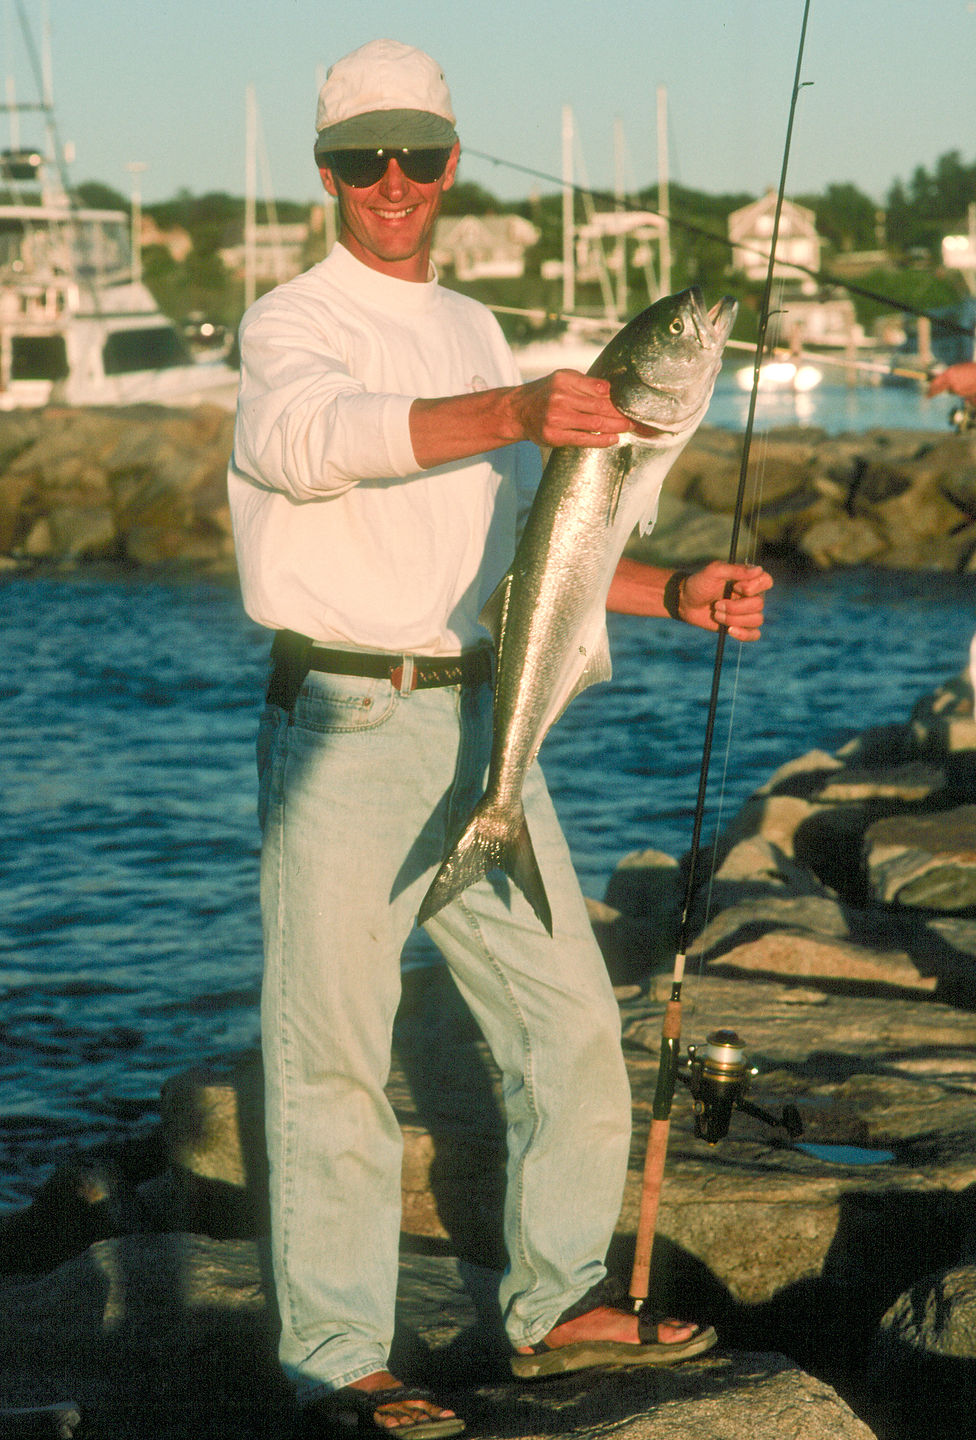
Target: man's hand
(568,408)
(960,379)
(702,599)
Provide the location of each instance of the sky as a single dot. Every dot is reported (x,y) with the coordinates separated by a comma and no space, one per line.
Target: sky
(888,85)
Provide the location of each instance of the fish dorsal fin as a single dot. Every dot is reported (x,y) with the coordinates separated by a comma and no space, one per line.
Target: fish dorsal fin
(494,614)
(597,668)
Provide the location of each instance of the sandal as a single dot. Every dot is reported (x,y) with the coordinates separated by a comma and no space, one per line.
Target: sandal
(351,1412)
(545,1359)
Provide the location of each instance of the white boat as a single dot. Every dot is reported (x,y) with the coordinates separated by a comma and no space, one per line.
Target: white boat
(570,351)
(575,348)
(792,375)
(77,326)
(75,329)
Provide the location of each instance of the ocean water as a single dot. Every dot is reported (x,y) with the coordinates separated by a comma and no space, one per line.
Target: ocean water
(130,939)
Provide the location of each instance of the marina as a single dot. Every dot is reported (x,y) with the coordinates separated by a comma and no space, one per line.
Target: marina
(77,324)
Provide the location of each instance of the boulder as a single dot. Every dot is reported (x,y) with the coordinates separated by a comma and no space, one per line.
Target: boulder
(637,923)
(144,485)
(924,861)
(645,882)
(173,1335)
(149,1334)
(838,541)
(633,946)
(923,1362)
(158,476)
(684,534)
(781,955)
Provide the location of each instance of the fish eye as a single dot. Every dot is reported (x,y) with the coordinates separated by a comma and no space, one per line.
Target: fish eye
(677,325)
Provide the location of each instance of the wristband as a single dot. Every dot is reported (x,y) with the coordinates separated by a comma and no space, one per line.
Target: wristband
(672,592)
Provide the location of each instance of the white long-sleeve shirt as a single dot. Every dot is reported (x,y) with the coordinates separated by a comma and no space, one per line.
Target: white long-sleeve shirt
(339,535)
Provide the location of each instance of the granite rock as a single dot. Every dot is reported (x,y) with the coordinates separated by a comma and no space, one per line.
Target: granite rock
(173,1335)
(144,486)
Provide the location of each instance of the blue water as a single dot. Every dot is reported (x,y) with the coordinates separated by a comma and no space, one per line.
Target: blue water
(129,939)
(833,406)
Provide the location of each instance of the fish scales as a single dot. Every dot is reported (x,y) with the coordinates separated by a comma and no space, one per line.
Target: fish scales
(548,616)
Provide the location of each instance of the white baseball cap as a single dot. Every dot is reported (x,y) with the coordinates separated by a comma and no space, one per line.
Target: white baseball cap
(384,94)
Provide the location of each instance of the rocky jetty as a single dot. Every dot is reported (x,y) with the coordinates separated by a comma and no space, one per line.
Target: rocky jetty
(146,486)
(837,936)
(139,486)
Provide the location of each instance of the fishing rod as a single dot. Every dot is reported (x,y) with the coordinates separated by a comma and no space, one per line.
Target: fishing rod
(718,1077)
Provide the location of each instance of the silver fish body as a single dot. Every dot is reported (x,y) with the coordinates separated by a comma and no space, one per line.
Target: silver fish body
(548,616)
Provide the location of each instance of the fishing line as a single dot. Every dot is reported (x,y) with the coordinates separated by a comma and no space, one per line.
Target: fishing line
(823,278)
(752,509)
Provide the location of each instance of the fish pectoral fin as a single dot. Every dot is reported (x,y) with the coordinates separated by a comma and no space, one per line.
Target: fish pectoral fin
(622,460)
(652,502)
(494,613)
(647,521)
(598,667)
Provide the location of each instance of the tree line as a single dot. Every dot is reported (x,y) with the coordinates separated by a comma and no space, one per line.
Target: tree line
(905,234)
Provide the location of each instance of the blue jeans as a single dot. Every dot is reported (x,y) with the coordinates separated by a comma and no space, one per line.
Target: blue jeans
(358,788)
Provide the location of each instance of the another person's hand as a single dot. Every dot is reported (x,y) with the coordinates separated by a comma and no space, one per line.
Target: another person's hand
(702,599)
(960,379)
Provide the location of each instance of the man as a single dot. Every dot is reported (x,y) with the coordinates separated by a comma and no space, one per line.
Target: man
(378,474)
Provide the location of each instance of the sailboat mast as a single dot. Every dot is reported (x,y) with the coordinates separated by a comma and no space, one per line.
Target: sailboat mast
(663,197)
(569,232)
(250,200)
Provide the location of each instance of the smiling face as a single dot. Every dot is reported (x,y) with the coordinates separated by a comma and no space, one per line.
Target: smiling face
(389,225)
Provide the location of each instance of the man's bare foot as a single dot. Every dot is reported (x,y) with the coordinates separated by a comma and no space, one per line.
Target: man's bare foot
(601,1330)
(375,1405)
(394,1415)
(605,1323)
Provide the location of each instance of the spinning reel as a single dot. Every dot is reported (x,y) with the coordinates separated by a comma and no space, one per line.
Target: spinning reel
(718,1076)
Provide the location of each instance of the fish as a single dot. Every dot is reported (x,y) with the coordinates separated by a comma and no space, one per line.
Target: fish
(548,614)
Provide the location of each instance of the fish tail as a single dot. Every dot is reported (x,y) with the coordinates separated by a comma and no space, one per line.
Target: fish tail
(489,842)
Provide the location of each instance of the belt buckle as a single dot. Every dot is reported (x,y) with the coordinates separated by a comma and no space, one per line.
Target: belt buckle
(403,677)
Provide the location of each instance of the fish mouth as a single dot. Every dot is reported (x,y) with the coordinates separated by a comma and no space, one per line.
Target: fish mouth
(713,326)
(721,318)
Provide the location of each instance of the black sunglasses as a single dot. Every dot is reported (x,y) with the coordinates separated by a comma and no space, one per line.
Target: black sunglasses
(361,168)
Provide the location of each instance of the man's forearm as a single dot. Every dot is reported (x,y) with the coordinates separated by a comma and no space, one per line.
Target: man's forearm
(565,408)
(638,589)
(459,426)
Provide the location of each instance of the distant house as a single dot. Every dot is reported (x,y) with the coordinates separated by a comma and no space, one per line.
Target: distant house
(483,247)
(959,252)
(639,227)
(826,321)
(278,250)
(751,233)
(176,240)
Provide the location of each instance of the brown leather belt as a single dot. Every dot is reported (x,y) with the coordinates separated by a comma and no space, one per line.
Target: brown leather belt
(471,668)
